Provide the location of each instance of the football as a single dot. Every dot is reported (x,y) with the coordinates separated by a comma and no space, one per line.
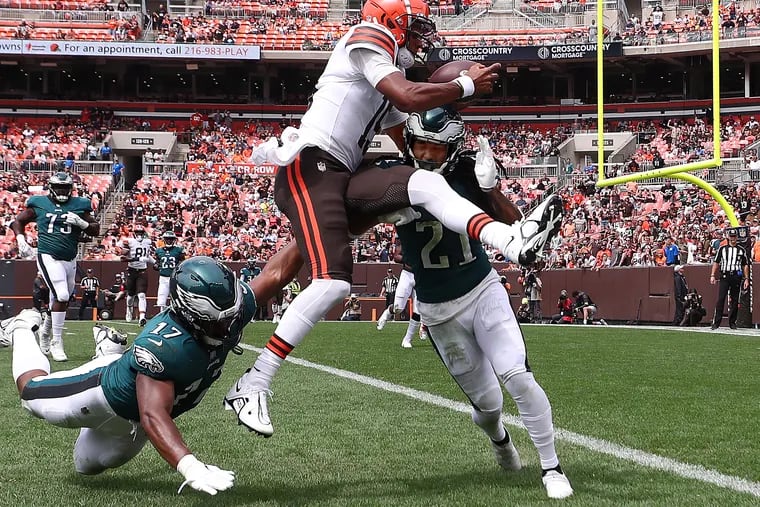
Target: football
(450,71)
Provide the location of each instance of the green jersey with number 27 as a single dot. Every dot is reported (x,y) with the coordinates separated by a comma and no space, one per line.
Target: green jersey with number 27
(446,265)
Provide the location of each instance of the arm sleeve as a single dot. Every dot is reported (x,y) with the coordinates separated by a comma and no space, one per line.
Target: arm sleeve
(374,65)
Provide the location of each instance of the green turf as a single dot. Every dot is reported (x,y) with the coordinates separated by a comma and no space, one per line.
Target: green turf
(689,397)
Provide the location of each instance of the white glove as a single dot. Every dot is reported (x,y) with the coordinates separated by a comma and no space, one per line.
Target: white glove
(262,153)
(24,250)
(72,218)
(485,165)
(400,217)
(206,478)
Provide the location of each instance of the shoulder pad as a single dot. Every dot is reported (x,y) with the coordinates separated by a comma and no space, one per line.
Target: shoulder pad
(373,37)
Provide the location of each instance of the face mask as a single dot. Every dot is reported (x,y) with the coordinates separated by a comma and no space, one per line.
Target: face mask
(405,58)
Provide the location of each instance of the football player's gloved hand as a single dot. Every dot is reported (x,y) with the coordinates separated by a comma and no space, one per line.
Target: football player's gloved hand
(206,478)
(24,249)
(485,165)
(72,218)
(146,260)
(400,217)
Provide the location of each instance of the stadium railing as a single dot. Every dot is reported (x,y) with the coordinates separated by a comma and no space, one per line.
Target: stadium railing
(66,15)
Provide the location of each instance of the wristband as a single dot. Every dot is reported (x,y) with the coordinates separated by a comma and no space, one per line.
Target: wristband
(187,461)
(467,85)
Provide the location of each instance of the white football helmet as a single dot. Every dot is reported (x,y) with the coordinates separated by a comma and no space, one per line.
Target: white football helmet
(108,340)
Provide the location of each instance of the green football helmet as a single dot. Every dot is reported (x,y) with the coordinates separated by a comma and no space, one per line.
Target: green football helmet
(207,298)
(169,238)
(439,125)
(60,185)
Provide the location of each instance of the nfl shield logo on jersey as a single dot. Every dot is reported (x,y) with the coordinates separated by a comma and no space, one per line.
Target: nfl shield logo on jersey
(321,167)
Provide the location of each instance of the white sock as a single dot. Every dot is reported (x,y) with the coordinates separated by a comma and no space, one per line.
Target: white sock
(411,330)
(385,315)
(58,319)
(430,191)
(535,412)
(47,326)
(496,234)
(305,310)
(27,355)
(490,423)
(142,305)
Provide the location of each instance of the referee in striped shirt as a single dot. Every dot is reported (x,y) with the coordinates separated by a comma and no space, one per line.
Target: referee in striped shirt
(731,268)
(390,282)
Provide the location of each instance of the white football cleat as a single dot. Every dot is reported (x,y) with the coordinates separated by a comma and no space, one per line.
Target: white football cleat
(57,352)
(26,319)
(251,408)
(383,320)
(556,484)
(406,345)
(424,335)
(507,456)
(108,340)
(534,231)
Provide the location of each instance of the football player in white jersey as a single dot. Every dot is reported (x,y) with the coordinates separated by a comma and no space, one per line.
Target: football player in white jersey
(137,253)
(363,91)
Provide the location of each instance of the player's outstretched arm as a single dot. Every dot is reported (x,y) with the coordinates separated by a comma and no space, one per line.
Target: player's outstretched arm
(155,399)
(502,208)
(409,96)
(277,273)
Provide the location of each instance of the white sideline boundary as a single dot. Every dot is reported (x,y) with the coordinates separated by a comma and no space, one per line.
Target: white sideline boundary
(645,459)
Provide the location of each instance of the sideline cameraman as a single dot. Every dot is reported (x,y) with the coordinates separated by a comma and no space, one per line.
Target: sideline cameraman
(566,309)
(695,312)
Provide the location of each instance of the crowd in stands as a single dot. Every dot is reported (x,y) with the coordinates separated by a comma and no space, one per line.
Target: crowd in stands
(226,209)
(248,22)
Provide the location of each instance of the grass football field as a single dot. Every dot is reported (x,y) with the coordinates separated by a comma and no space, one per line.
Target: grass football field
(644,417)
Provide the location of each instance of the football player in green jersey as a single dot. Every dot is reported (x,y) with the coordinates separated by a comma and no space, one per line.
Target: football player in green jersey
(168,258)
(121,401)
(61,218)
(470,321)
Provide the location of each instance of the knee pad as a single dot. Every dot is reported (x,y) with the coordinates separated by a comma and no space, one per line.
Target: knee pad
(320,296)
(518,381)
(488,401)
(130,300)
(62,296)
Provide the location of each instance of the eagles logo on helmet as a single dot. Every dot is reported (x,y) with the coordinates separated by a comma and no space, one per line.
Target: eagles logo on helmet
(439,125)
(60,185)
(206,297)
(169,238)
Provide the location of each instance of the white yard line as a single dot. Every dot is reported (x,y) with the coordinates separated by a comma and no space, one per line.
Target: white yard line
(642,458)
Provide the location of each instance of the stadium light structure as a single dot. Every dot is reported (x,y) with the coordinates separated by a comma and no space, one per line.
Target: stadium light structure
(678,171)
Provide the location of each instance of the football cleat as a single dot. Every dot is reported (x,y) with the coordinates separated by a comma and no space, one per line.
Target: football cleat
(56,350)
(406,345)
(26,319)
(507,456)
(128,316)
(556,484)
(142,322)
(535,231)
(251,408)
(383,320)
(108,340)
(424,335)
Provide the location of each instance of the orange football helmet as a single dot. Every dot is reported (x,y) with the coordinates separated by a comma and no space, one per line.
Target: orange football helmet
(404,18)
